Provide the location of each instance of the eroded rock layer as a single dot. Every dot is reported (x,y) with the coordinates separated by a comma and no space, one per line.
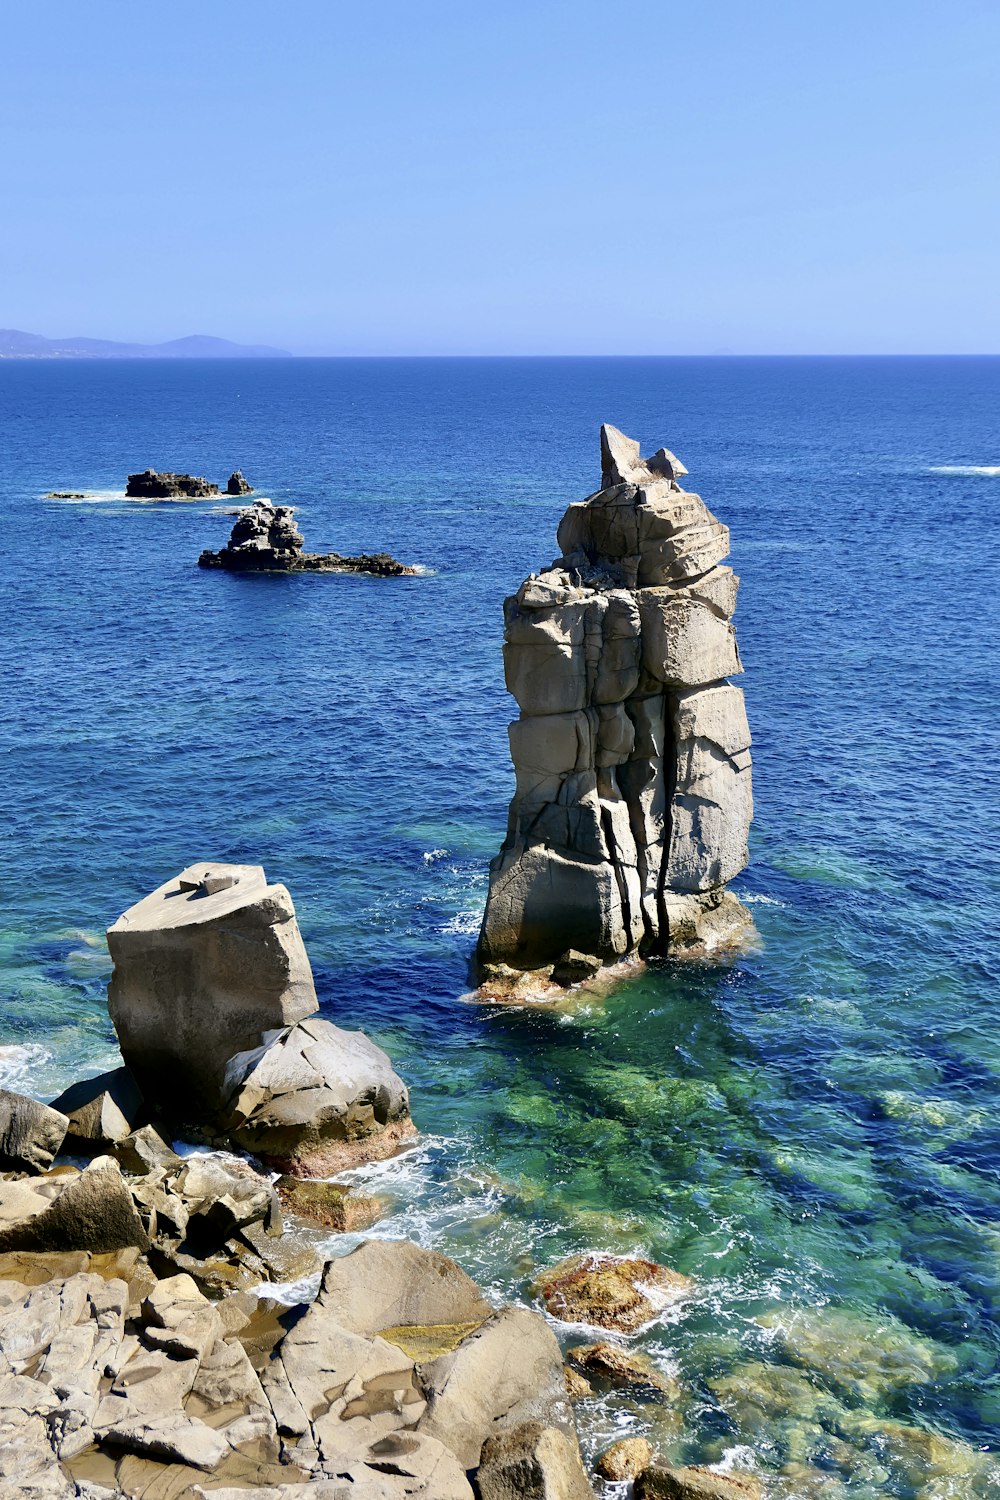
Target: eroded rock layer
(632,751)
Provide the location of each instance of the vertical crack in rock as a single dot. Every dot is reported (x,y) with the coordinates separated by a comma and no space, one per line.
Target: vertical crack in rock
(632,752)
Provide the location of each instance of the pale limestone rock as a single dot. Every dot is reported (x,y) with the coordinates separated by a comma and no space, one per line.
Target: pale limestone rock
(532,1462)
(102,1110)
(30,1133)
(90,1210)
(631,754)
(201,974)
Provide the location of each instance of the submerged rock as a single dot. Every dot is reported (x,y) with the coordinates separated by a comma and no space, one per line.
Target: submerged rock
(617,1367)
(265,540)
(632,751)
(625,1459)
(329,1204)
(661,1483)
(151,485)
(609,1291)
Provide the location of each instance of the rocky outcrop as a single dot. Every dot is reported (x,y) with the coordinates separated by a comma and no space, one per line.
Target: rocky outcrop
(162,1391)
(265,540)
(237,485)
(30,1133)
(213,999)
(151,485)
(632,751)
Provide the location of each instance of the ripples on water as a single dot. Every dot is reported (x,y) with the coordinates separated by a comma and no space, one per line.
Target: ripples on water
(810,1131)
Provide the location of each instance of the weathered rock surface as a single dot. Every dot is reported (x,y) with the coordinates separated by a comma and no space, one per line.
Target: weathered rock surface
(631,753)
(314,1099)
(30,1133)
(102,1111)
(329,1204)
(265,539)
(69,1210)
(609,1291)
(151,485)
(625,1459)
(237,485)
(659,1482)
(617,1367)
(213,1000)
(203,967)
(532,1462)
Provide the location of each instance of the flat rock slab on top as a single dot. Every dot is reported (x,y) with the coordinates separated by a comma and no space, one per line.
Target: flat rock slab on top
(203,967)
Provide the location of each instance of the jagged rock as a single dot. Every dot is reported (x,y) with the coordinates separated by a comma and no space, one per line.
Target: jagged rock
(265,539)
(89,1210)
(143,1151)
(237,485)
(625,1460)
(657,1482)
(151,485)
(631,753)
(203,967)
(607,1362)
(328,1203)
(532,1462)
(30,1133)
(575,968)
(313,1099)
(610,1291)
(101,1110)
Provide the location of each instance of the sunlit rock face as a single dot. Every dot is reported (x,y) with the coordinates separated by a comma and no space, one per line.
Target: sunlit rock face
(632,750)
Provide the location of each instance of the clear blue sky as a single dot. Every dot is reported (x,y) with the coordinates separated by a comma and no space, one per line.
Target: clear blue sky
(440,176)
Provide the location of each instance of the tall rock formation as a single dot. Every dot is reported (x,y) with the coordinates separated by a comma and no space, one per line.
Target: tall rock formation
(632,751)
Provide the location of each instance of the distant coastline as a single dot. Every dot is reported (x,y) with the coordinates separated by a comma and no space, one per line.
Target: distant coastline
(14,344)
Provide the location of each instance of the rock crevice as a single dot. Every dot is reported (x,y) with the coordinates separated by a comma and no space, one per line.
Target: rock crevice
(632,750)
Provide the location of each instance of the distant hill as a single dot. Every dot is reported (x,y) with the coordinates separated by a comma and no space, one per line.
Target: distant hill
(17,345)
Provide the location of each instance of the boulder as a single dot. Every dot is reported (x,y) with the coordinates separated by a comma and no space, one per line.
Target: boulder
(237,485)
(574,967)
(90,1210)
(609,1291)
(329,1204)
(151,485)
(313,1099)
(101,1110)
(144,1150)
(630,787)
(203,967)
(625,1460)
(658,1482)
(30,1133)
(617,1367)
(532,1462)
(395,1284)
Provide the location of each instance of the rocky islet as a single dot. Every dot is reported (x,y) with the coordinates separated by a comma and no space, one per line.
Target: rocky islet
(265,539)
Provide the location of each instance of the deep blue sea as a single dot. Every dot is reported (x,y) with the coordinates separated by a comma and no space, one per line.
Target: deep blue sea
(811,1129)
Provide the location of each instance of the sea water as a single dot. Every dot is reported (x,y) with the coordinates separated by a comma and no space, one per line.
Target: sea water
(809,1129)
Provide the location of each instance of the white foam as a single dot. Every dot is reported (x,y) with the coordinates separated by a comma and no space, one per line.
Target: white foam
(432,855)
(20,1063)
(987,471)
(759,899)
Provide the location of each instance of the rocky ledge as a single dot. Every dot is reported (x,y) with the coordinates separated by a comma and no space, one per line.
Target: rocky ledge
(265,539)
(632,750)
(152,485)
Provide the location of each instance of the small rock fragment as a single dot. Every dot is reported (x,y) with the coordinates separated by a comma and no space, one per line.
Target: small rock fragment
(625,1459)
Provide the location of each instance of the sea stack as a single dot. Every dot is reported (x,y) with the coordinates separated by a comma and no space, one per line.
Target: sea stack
(265,539)
(632,751)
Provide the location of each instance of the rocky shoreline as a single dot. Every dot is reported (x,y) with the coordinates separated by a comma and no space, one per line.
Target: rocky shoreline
(140,1352)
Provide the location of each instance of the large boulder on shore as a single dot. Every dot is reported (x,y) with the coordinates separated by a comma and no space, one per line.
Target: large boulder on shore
(101,1110)
(70,1210)
(204,966)
(313,1099)
(213,1000)
(30,1133)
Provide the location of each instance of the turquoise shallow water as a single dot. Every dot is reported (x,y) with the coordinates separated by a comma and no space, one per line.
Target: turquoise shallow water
(811,1131)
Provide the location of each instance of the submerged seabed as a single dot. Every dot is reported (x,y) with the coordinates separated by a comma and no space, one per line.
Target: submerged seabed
(811,1131)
